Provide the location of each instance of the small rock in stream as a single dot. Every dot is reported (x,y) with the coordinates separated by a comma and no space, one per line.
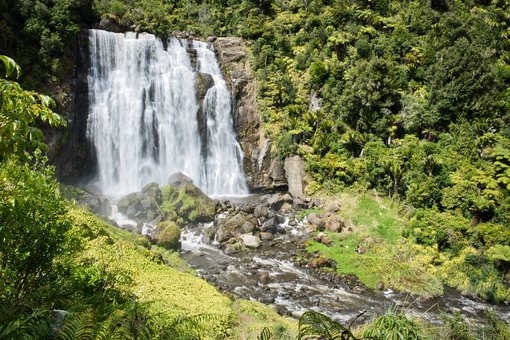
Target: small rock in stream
(267,299)
(250,241)
(264,278)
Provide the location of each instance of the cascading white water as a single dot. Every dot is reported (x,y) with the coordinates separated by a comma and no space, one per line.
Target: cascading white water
(143,116)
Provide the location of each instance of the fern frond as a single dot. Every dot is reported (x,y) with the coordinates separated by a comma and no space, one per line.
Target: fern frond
(313,324)
(265,335)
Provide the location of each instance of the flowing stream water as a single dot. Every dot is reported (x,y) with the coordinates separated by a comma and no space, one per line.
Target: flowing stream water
(144,115)
(270,275)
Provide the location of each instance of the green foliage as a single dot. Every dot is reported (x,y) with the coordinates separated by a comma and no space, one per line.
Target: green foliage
(313,324)
(33,225)
(475,274)
(15,324)
(20,110)
(441,230)
(496,328)
(393,325)
(455,327)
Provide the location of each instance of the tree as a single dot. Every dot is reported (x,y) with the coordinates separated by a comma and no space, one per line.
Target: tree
(32,222)
(462,84)
(19,112)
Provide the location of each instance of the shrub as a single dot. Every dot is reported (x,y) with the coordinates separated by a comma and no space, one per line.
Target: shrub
(439,229)
(393,326)
(455,328)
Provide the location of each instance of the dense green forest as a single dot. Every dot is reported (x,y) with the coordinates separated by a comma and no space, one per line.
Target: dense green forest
(410,99)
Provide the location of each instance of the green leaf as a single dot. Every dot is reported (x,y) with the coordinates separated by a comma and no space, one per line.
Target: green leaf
(10,66)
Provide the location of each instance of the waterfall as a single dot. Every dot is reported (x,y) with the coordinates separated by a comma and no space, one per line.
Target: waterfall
(143,111)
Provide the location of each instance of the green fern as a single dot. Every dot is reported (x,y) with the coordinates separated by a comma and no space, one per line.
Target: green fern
(313,325)
(15,324)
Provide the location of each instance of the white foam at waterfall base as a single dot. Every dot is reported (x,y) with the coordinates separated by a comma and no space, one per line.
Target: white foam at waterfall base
(142,119)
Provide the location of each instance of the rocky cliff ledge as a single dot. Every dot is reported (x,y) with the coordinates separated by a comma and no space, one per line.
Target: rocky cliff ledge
(262,170)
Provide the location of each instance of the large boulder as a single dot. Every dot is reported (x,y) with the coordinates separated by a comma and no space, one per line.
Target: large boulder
(112,23)
(138,206)
(187,203)
(233,226)
(333,222)
(179,178)
(153,190)
(167,235)
(95,201)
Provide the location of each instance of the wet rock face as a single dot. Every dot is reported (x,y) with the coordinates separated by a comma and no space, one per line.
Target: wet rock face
(261,169)
(138,206)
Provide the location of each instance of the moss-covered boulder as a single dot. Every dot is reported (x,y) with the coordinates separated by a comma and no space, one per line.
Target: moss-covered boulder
(187,203)
(167,235)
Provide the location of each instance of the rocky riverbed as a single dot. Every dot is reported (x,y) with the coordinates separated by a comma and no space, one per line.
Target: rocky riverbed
(253,247)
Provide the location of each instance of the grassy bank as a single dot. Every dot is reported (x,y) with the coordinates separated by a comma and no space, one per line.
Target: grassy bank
(161,278)
(372,248)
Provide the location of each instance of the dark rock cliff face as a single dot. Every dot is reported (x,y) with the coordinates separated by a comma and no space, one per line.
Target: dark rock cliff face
(68,146)
(262,170)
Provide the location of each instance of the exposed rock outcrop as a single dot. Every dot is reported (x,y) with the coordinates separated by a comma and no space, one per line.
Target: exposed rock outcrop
(112,23)
(261,169)
(295,174)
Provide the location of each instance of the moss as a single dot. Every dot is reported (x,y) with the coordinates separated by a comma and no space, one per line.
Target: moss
(167,235)
(188,203)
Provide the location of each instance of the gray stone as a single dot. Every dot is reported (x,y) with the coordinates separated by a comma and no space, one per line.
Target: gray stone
(247,227)
(178,178)
(315,220)
(264,278)
(265,236)
(250,241)
(261,211)
(223,234)
(270,225)
(323,238)
(111,23)
(333,207)
(299,204)
(286,208)
(230,249)
(92,189)
(153,190)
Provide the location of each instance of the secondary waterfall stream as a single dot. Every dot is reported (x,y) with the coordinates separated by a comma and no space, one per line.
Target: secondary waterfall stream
(146,122)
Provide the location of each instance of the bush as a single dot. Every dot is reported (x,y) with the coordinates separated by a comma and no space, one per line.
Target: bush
(33,225)
(439,229)
(393,326)
(455,328)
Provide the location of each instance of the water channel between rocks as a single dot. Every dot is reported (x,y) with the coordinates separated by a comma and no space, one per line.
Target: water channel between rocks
(270,275)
